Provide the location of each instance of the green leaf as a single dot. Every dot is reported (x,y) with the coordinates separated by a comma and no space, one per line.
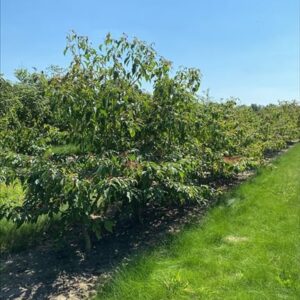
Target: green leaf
(108,225)
(131,132)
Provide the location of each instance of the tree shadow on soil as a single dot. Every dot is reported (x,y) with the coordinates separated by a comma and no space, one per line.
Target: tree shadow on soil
(66,272)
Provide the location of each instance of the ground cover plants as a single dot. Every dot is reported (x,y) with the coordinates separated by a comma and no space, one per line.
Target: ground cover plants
(91,148)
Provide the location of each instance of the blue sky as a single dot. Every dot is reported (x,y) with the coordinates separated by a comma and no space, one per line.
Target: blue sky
(244,48)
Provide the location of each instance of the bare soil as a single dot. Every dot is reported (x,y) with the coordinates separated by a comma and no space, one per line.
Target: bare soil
(66,272)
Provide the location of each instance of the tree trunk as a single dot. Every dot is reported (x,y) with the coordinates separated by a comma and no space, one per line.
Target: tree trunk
(87,240)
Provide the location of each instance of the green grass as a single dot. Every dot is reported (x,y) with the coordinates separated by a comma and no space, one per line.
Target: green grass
(13,239)
(248,247)
(68,149)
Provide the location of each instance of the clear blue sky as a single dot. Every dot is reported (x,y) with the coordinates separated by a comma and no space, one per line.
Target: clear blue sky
(244,48)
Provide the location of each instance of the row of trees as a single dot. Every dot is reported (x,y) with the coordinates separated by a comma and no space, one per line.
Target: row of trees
(90,145)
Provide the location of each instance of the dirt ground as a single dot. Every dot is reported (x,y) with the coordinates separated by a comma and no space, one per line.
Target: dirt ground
(67,273)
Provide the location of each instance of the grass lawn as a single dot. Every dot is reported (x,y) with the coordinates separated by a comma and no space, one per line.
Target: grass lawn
(248,247)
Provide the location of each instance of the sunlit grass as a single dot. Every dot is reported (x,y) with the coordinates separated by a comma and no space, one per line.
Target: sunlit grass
(68,149)
(248,247)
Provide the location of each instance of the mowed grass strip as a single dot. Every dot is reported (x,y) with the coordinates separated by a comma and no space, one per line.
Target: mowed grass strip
(246,248)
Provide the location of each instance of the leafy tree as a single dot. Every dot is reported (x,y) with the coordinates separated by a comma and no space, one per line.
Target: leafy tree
(123,149)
